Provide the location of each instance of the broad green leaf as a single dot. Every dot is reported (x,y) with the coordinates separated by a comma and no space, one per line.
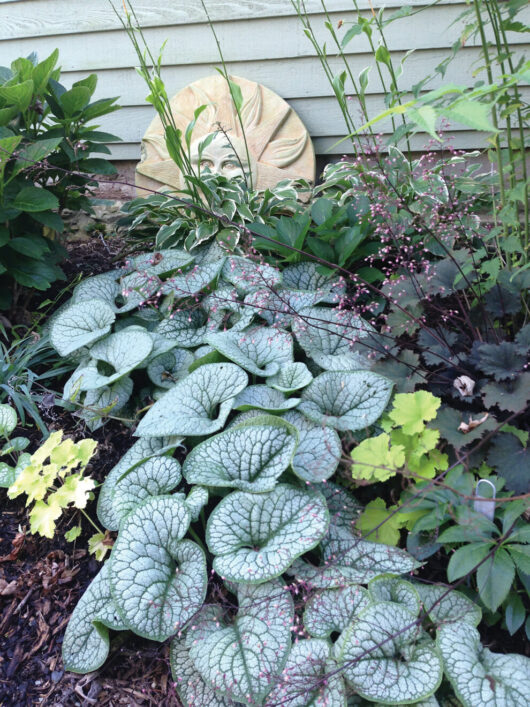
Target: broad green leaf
(478,676)
(247,275)
(310,678)
(386,641)
(412,410)
(319,449)
(86,640)
(8,420)
(261,351)
(261,397)
(74,100)
(336,339)
(471,113)
(256,537)
(185,328)
(102,287)
(34,152)
(346,400)
(18,94)
(466,559)
(35,199)
(331,610)
(158,581)
(445,605)
(191,688)
(395,590)
(376,459)
(305,276)
(494,579)
(241,659)
(197,405)
(291,376)
(248,457)
(80,324)
(142,450)
(165,370)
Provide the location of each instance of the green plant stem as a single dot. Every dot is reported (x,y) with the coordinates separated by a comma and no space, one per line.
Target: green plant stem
(98,530)
(197,539)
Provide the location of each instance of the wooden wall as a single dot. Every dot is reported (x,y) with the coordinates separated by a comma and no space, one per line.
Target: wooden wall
(262,40)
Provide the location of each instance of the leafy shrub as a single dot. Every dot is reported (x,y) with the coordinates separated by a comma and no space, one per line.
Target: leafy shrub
(46,144)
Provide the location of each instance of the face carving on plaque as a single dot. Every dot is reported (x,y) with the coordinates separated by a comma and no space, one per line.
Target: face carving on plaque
(278,144)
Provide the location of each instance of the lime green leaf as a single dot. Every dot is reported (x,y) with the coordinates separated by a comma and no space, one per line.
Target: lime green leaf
(42,518)
(412,410)
(99,545)
(376,459)
(73,533)
(375,513)
(471,113)
(75,490)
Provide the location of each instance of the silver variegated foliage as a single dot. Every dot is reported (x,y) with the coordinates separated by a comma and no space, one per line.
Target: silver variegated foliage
(305,276)
(192,689)
(319,449)
(291,376)
(108,400)
(168,368)
(261,397)
(186,329)
(447,606)
(248,457)
(389,588)
(199,278)
(81,324)
(104,287)
(331,610)
(160,262)
(247,275)
(261,351)
(256,537)
(158,581)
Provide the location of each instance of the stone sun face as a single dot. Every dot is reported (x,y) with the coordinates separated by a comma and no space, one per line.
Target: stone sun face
(278,144)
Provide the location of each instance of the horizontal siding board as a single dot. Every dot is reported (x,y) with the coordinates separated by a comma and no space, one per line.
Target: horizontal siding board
(37,18)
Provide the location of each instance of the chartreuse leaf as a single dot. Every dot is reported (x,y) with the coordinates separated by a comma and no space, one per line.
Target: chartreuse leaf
(197,405)
(142,450)
(319,449)
(248,457)
(8,420)
(412,410)
(386,641)
(86,640)
(158,581)
(478,676)
(291,377)
(261,351)
(256,537)
(261,397)
(333,610)
(346,400)
(446,606)
(380,524)
(43,516)
(81,324)
(304,681)
(240,660)
(167,369)
(335,339)
(376,459)
(191,688)
(389,588)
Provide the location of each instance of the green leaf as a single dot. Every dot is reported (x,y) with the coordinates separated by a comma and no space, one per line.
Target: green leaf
(32,246)
(261,397)
(252,648)
(35,152)
(74,100)
(445,605)
(86,640)
(256,537)
(8,419)
(377,459)
(376,514)
(292,376)
(319,449)
(332,610)
(520,554)
(494,579)
(197,405)
(412,410)
(424,118)
(79,325)
(511,461)
(262,351)
(471,113)
(35,199)
(387,641)
(9,474)
(478,676)
(350,33)
(346,400)
(18,94)
(158,581)
(465,559)
(248,457)
(515,613)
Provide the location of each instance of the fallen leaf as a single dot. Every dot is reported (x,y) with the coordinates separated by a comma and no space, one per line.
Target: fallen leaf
(466,427)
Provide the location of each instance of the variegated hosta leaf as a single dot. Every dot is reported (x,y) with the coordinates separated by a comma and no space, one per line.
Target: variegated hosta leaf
(196,500)
(256,537)
(445,608)
(191,688)
(122,351)
(333,338)
(350,560)
(248,275)
(291,377)
(185,328)
(167,369)
(346,400)
(197,405)
(161,262)
(103,287)
(108,400)
(389,588)
(261,397)
(332,610)
(249,457)
(158,581)
(241,660)
(344,509)
(142,450)
(81,324)
(478,676)
(304,276)
(387,657)
(304,681)
(319,449)
(197,279)
(153,477)
(261,350)
(86,640)
(136,289)
(278,308)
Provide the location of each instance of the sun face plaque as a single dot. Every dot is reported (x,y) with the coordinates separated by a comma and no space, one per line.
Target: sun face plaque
(279,146)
